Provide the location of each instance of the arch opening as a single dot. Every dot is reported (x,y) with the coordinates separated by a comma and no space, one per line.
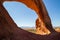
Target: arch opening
(23,16)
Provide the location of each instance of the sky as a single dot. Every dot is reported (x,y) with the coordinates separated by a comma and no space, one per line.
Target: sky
(24,16)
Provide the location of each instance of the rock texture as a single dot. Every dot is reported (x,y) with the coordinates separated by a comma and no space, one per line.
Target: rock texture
(10,31)
(40,28)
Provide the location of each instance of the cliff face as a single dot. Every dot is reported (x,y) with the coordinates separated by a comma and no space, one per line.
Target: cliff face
(10,31)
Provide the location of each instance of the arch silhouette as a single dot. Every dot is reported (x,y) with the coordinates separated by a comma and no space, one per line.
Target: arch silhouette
(10,31)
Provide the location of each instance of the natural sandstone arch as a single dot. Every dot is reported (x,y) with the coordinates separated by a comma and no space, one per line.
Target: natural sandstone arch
(10,31)
(39,7)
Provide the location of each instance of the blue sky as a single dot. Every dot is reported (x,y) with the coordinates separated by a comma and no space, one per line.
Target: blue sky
(24,16)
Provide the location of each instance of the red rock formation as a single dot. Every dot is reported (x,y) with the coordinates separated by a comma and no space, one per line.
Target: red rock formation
(41,29)
(10,31)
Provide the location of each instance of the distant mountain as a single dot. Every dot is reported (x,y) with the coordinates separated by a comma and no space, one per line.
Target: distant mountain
(27,27)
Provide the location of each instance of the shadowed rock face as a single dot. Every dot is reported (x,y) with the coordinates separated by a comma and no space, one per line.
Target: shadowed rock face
(10,31)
